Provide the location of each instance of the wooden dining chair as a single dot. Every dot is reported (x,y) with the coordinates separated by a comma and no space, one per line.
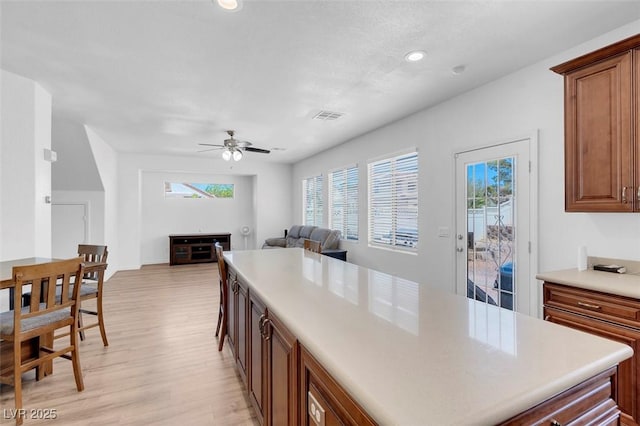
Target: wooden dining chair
(312,245)
(92,284)
(37,322)
(221,327)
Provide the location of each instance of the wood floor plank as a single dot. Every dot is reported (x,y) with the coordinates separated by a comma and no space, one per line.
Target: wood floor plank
(162,365)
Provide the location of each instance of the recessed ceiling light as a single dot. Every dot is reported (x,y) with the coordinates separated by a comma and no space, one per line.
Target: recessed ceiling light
(415,56)
(231,5)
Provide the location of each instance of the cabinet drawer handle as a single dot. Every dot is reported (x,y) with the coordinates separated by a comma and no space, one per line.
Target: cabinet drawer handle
(638,194)
(589,305)
(624,194)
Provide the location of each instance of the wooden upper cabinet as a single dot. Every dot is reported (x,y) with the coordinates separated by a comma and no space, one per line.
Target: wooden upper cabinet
(636,119)
(598,150)
(602,149)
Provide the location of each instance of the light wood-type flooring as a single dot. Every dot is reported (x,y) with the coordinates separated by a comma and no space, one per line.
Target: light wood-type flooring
(162,366)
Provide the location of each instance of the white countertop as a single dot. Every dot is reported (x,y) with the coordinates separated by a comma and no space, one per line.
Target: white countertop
(412,354)
(606,282)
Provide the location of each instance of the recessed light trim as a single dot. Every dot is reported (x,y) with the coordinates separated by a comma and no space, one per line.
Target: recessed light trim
(415,56)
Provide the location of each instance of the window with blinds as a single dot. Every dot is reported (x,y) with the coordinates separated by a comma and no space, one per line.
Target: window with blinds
(393,201)
(312,200)
(343,201)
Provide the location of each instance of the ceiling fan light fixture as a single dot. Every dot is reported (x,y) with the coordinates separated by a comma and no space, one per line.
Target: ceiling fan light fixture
(226,155)
(237,155)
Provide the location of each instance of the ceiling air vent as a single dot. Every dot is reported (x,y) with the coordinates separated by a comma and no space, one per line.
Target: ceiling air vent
(328,115)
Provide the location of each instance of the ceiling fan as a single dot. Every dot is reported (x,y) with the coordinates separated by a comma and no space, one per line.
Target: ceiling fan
(233,148)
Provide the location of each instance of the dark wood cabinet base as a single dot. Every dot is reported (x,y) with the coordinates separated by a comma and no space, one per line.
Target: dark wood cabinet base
(196,248)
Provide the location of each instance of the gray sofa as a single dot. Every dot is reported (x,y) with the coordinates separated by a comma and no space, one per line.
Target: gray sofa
(328,238)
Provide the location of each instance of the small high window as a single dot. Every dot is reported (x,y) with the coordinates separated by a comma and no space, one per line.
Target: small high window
(198,190)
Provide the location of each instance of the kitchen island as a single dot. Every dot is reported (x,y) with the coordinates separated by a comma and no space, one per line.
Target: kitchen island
(405,353)
(605,304)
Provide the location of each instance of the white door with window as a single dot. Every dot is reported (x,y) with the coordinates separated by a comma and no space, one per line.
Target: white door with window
(496,225)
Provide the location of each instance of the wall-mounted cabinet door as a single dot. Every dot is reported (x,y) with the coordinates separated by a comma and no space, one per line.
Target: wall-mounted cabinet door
(598,137)
(602,129)
(636,96)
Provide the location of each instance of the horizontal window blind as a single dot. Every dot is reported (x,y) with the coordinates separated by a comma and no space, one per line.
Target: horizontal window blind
(393,201)
(343,202)
(312,200)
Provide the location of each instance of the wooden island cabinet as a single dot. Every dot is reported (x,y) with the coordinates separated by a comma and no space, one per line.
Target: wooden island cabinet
(606,315)
(257,356)
(266,355)
(602,129)
(313,348)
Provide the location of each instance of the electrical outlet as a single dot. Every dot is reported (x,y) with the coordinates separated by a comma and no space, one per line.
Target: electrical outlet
(316,412)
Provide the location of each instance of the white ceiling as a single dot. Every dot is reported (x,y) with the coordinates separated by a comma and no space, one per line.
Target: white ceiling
(163,76)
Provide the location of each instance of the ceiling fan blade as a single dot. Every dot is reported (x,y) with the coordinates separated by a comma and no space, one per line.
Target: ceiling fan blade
(243,144)
(259,150)
(211,144)
(211,149)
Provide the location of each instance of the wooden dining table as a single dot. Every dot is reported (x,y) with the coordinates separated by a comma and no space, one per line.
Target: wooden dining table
(6,269)
(30,348)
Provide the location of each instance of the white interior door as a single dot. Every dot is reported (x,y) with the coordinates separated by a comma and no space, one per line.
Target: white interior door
(495,225)
(68,229)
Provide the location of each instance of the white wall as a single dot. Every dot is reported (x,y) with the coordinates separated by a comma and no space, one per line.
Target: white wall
(511,107)
(76,168)
(166,216)
(25,176)
(106,160)
(95,220)
(271,211)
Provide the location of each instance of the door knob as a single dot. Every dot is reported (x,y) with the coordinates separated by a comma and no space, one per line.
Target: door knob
(459,249)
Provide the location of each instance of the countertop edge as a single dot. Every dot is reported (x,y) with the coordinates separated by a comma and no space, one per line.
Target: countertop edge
(627,285)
